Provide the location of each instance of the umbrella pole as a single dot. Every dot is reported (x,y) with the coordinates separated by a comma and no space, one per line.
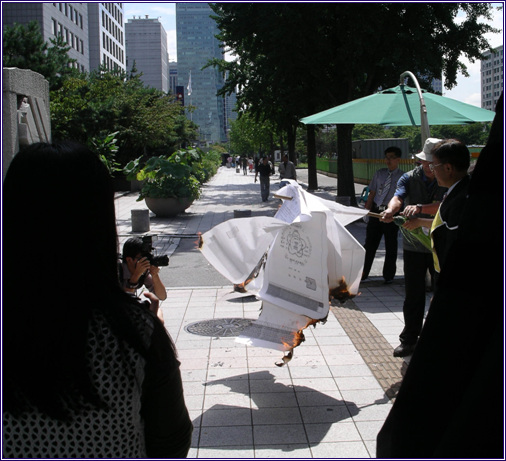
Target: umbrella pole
(424,123)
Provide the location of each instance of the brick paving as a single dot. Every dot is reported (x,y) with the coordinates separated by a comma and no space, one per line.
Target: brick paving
(372,346)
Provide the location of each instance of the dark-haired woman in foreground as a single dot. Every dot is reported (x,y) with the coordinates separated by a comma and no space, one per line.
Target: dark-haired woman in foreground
(88,371)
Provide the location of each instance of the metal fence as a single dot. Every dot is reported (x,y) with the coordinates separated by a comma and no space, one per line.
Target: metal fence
(363,169)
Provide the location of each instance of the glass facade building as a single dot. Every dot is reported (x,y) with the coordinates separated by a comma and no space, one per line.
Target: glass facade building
(196,45)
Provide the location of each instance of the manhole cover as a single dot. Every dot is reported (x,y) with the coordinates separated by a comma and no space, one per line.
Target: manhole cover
(218,327)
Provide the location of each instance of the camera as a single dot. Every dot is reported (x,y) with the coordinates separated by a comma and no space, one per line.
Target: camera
(154,260)
(157,261)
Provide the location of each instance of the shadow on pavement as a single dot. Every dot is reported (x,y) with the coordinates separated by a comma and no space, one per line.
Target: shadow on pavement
(277,405)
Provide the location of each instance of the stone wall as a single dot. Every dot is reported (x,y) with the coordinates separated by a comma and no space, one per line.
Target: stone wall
(25,111)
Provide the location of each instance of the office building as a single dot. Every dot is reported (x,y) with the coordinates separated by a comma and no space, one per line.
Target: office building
(230,108)
(106,36)
(437,86)
(146,48)
(196,45)
(492,78)
(172,77)
(69,20)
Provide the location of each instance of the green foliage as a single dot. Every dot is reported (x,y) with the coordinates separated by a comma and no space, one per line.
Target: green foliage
(145,119)
(105,146)
(178,175)
(211,161)
(325,56)
(25,48)
(249,136)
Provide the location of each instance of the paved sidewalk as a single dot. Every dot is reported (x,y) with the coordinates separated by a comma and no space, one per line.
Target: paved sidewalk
(329,402)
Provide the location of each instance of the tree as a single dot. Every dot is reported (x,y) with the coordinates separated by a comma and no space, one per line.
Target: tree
(94,105)
(25,48)
(297,59)
(249,137)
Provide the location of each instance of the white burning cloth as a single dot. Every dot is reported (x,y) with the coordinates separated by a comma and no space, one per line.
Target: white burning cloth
(296,263)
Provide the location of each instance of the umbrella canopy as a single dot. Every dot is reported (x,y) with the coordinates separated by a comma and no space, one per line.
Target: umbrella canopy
(401,106)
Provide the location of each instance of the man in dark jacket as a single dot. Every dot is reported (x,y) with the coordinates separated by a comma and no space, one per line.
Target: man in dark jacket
(450,165)
(264,168)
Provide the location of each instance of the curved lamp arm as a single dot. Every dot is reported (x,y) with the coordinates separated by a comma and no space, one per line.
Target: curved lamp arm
(424,122)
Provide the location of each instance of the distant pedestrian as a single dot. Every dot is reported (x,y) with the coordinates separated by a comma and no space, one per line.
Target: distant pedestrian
(265,170)
(244,164)
(382,188)
(286,171)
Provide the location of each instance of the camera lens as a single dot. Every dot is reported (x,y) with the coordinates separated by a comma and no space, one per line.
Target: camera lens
(160,261)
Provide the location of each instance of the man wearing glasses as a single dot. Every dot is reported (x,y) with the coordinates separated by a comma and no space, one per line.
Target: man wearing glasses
(382,188)
(418,193)
(451,161)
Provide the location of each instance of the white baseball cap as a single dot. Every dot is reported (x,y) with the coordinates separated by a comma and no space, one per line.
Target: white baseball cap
(426,153)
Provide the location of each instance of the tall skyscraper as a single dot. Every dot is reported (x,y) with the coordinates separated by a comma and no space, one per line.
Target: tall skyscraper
(107,35)
(492,78)
(172,76)
(196,45)
(146,46)
(70,20)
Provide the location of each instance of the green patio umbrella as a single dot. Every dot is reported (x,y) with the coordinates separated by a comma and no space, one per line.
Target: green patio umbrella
(402,105)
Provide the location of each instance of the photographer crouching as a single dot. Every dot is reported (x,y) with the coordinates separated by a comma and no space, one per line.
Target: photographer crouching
(140,268)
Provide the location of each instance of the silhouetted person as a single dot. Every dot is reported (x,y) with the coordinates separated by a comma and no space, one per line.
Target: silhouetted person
(88,372)
(451,401)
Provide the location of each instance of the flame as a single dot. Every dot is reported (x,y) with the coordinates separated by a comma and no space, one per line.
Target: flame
(199,243)
(240,287)
(341,292)
(297,338)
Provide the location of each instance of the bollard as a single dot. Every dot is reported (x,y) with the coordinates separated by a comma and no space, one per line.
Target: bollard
(242,213)
(140,220)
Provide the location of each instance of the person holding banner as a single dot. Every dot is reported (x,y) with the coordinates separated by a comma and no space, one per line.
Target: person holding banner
(417,192)
(451,161)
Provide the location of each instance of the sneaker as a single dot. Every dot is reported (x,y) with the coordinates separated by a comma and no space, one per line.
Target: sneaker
(403,350)
(388,282)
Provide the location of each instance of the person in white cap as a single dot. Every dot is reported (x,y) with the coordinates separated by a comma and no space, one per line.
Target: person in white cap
(417,194)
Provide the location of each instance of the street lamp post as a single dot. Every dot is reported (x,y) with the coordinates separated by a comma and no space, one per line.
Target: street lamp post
(424,122)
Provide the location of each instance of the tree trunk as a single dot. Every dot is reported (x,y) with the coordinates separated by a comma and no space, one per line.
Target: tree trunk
(291,143)
(311,158)
(345,180)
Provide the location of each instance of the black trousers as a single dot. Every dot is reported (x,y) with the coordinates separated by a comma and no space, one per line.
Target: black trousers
(374,232)
(415,269)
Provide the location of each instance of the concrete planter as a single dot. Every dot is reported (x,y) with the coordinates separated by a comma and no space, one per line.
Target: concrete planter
(167,207)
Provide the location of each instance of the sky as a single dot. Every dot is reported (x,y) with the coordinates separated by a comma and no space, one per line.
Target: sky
(467,89)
